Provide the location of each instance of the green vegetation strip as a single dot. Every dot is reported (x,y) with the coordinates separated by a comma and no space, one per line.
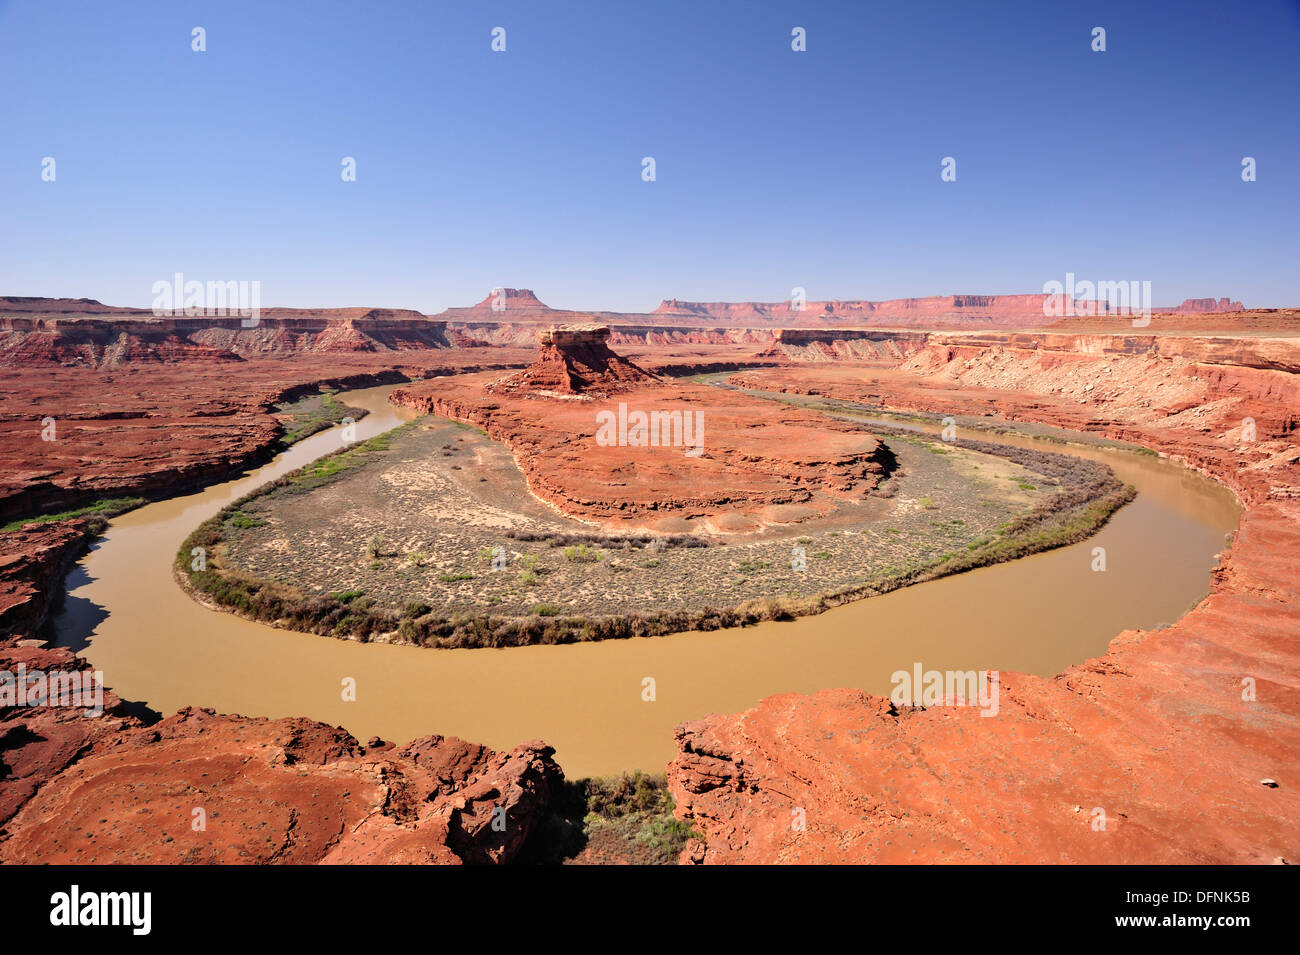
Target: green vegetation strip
(1089,494)
(109,507)
(627,818)
(314,413)
(200,560)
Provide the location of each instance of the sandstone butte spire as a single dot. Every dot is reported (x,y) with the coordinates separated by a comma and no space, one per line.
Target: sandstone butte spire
(574,361)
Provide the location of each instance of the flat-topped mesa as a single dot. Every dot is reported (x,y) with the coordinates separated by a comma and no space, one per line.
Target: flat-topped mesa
(112,340)
(505,299)
(961,311)
(967,312)
(573,361)
(1196,305)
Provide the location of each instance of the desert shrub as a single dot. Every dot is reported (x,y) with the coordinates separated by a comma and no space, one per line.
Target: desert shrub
(104,508)
(620,795)
(652,542)
(582,554)
(244,521)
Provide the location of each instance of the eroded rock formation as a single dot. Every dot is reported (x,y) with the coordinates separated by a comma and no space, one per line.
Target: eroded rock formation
(1156,733)
(198,787)
(1160,735)
(573,360)
(153,429)
(114,788)
(711,457)
(33,563)
(115,342)
(1195,305)
(932,312)
(937,311)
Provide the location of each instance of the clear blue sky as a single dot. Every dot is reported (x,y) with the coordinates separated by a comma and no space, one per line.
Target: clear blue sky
(775,169)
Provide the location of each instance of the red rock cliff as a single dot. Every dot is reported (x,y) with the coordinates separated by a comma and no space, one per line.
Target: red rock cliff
(1157,733)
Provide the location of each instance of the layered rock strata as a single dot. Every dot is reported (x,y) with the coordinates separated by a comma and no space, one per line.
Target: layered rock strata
(1179,745)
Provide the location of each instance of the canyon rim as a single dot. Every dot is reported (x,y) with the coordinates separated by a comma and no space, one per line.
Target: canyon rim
(688,435)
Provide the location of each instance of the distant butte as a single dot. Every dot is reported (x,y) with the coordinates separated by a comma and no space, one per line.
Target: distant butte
(504,314)
(1157,728)
(572,361)
(932,312)
(1191,305)
(504,299)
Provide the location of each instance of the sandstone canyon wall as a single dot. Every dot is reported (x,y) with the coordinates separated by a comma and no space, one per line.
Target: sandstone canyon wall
(1156,732)
(935,311)
(1160,735)
(112,342)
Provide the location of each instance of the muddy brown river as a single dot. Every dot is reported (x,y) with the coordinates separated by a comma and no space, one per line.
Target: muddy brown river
(128,617)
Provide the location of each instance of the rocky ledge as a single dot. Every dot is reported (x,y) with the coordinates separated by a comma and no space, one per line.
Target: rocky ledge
(199,787)
(1180,745)
(1153,741)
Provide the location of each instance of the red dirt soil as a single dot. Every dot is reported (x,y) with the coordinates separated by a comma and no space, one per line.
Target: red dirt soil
(1155,733)
(753,455)
(164,428)
(112,789)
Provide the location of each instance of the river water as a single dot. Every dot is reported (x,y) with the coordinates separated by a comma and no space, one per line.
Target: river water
(128,617)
